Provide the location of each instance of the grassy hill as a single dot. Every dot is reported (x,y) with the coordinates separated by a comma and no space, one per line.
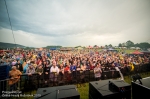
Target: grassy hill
(10,45)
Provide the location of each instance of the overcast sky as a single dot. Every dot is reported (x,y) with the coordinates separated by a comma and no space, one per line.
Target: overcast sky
(39,23)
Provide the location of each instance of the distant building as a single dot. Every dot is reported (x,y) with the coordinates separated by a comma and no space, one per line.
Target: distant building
(132,47)
(79,48)
(138,48)
(66,48)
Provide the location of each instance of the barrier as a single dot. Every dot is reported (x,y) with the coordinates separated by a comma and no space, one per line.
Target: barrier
(27,82)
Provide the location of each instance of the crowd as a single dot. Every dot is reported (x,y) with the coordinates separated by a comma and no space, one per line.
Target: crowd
(49,64)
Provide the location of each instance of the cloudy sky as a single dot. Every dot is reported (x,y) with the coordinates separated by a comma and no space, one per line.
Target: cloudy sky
(39,23)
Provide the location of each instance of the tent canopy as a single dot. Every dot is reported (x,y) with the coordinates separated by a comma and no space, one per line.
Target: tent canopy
(145,52)
(52,48)
(137,52)
(89,47)
(111,49)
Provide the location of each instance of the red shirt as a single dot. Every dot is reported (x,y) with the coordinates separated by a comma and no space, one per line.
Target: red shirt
(66,69)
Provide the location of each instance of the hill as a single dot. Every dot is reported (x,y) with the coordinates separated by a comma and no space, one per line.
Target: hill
(10,45)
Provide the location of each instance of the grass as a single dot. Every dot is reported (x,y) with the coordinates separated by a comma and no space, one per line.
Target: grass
(84,91)
(128,51)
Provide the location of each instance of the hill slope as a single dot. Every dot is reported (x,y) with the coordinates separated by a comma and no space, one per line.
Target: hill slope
(10,45)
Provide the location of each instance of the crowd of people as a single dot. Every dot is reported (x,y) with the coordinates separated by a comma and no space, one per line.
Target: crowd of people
(50,63)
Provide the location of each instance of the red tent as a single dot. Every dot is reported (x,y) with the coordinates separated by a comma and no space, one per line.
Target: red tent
(137,52)
(89,47)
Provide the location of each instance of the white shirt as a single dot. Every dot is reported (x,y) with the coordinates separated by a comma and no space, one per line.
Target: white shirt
(56,69)
(97,72)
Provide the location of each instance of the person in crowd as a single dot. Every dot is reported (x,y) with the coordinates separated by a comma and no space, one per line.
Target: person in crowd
(78,67)
(33,63)
(44,63)
(97,72)
(14,75)
(83,67)
(54,68)
(32,78)
(67,72)
(14,62)
(61,71)
(46,72)
(109,61)
(48,54)
(19,66)
(91,66)
(30,70)
(39,71)
(54,71)
(48,63)
(39,61)
(73,70)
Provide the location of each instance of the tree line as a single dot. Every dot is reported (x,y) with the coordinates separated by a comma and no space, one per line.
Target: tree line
(129,44)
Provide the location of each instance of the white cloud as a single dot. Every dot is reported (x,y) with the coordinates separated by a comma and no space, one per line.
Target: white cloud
(25,38)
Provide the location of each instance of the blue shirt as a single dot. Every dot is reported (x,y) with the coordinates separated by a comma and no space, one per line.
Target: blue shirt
(73,68)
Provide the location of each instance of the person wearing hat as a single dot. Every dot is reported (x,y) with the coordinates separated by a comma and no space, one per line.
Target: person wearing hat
(30,70)
(14,77)
(39,71)
(31,78)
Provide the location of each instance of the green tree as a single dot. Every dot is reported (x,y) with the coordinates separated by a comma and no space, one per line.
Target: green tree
(78,46)
(27,48)
(106,46)
(144,45)
(123,44)
(136,45)
(95,46)
(120,45)
(110,45)
(129,44)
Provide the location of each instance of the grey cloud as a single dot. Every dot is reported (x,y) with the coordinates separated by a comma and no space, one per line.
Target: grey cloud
(65,18)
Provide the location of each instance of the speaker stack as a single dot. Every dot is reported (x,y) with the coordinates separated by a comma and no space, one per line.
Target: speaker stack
(107,89)
(59,92)
(141,88)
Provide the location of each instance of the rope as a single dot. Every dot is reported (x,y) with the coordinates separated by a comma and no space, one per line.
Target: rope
(10,23)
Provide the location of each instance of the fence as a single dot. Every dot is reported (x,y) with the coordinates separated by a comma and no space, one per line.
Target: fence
(29,83)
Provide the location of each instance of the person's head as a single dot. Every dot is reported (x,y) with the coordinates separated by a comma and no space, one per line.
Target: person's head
(47,62)
(96,65)
(54,63)
(40,66)
(39,58)
(61,65)
(18,61)
(44,62)
(30,66)
(14,68)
